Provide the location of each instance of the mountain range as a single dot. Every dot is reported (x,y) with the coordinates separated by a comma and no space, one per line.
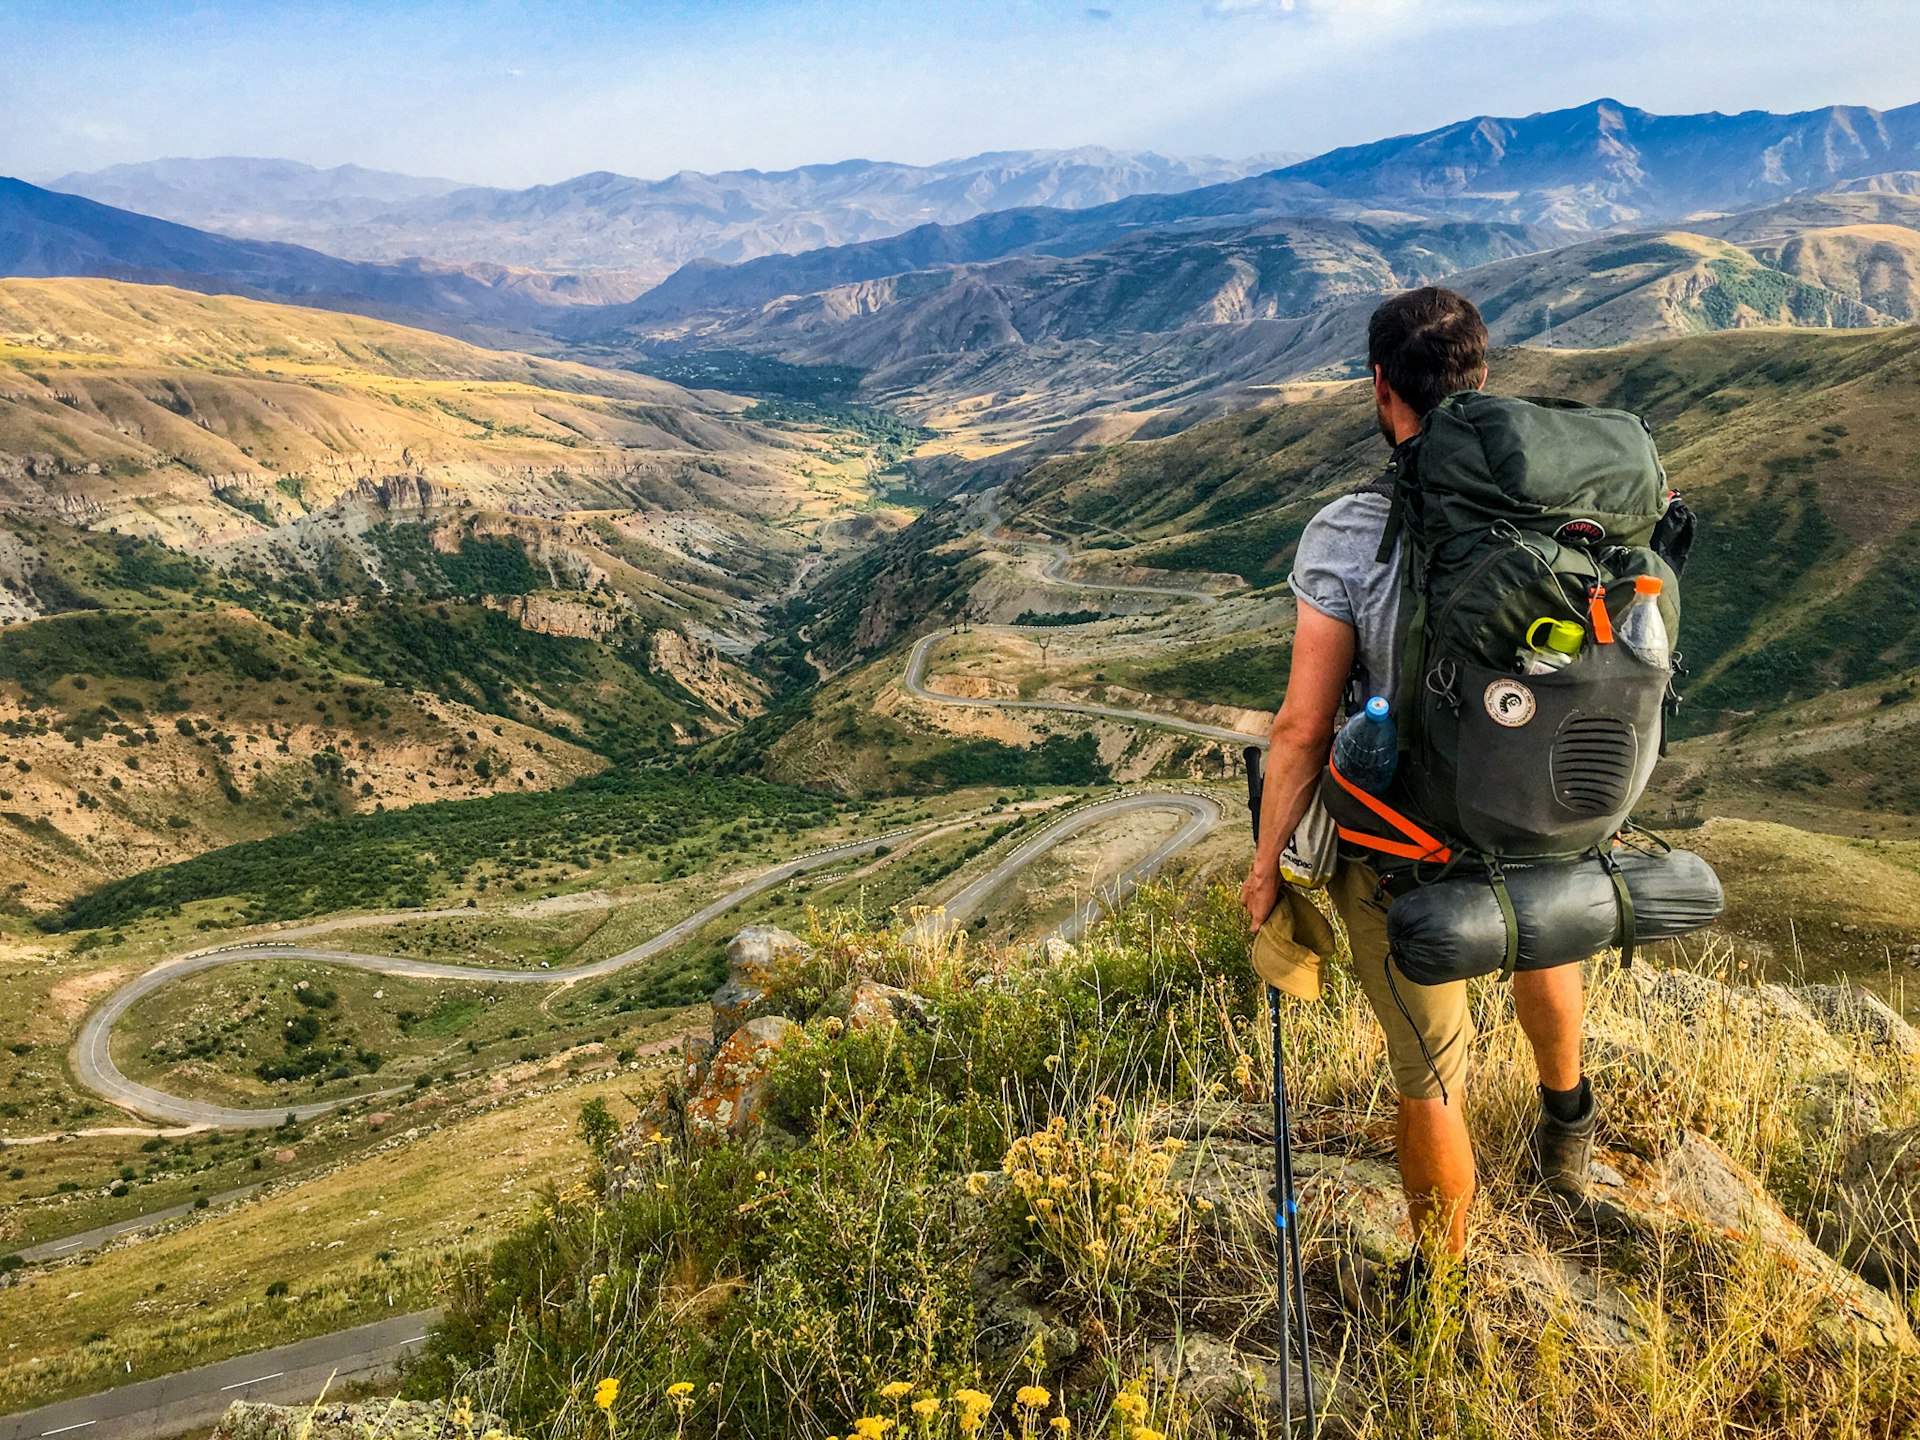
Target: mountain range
(1587,226)
(604,221)
(46,233)
(1602,165)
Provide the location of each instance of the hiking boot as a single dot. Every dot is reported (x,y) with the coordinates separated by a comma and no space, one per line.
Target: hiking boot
(1563,1152)
(1413,1302)
(1384,1292)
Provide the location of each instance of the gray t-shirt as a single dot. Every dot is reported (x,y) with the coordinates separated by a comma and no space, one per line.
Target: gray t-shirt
(1334,571)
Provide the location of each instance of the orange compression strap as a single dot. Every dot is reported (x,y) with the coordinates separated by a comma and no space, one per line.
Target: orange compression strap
(1423,846)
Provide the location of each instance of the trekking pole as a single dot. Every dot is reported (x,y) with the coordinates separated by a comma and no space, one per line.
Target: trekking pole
(1286,1228)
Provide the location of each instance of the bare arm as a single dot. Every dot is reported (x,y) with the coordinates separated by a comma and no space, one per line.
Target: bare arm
(1302,734)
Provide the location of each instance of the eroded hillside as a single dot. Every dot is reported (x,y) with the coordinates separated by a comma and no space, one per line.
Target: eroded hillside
(260,565)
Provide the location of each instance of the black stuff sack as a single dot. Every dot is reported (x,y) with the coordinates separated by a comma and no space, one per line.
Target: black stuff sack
(1562,911)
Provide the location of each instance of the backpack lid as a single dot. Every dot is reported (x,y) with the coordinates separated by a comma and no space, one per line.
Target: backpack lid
(1584,475)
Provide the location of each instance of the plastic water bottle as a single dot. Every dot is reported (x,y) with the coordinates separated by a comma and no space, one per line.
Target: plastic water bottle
(1641,629)
(1368,748)
(1551,645)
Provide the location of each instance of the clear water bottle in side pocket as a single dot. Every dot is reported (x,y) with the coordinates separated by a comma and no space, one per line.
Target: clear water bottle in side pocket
(1368,748)
(1641,629)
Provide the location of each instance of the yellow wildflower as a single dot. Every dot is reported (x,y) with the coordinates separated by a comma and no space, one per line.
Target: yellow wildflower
(895,1390)
(679,1390)
(872,1427)
(606,1392)
(925,1406)
(1145,1434)
(1032,1396)
(1202,1204)
(1132,1405)
(973,1402)
(1059,1424)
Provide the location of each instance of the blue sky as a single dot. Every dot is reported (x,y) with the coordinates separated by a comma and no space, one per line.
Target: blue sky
(515,92)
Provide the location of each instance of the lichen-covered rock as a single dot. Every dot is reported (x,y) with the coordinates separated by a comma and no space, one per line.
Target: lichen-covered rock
(359,1420)
(1850,1011)
(731,1102)
(867,1004)
(752,957)
(1877,1204)
(1697,1186)
(1211,1374)
(1008,1326)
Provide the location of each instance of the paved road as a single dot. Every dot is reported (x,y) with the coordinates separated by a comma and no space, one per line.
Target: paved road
(92,1055)
(74,1244)
(1059,556)
(1203,813)
(914,683)
(195,1399)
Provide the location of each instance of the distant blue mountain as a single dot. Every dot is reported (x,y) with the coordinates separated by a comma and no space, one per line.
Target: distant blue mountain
(47,233)
(1594,167)
(1607,164)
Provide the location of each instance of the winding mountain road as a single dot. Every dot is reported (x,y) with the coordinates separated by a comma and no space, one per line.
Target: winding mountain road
(913,682)
(1060,556)
(92,1053)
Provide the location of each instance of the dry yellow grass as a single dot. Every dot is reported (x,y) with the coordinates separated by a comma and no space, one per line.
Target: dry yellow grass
(197,1292)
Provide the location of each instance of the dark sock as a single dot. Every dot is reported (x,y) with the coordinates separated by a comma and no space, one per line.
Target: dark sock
(1567,1106)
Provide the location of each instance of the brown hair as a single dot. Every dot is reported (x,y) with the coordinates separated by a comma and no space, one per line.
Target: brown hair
(1429,343)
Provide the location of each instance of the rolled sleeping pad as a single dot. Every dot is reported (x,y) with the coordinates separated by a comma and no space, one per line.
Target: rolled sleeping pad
(1565,911)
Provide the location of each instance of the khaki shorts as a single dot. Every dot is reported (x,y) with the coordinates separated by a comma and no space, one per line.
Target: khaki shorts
(1428,1026)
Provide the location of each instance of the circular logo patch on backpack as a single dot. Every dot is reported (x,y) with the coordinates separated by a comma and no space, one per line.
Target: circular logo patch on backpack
(1581,532)
(1510,703)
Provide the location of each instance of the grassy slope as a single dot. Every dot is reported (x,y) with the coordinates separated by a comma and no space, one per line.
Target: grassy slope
(1072,1146)
(371,1231)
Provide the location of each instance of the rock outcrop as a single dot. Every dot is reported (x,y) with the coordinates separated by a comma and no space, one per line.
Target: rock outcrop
(1877,1204)
(361,1420)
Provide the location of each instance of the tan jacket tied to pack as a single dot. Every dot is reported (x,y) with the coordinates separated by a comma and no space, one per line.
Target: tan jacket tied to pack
(1291,946)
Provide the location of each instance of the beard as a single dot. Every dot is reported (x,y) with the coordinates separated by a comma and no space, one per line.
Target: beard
(1386,425)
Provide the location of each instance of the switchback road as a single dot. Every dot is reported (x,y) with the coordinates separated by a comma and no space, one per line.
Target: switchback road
(195,1399)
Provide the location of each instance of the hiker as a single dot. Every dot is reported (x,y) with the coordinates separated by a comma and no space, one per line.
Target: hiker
(1422,346)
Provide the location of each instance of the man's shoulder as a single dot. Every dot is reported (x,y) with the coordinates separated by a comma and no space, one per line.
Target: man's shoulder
(1351,519)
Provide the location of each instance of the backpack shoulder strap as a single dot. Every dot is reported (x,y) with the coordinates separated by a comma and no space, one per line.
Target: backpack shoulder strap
(1394,482)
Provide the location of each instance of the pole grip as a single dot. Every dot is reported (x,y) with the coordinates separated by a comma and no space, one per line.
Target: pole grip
(1256,786)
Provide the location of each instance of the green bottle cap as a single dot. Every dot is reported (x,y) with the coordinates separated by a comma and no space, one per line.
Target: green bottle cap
(1562,636)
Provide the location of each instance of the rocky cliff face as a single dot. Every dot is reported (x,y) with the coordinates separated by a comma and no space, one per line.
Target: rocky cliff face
(699,667)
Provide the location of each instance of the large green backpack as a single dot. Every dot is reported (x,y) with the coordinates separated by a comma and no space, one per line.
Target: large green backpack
(1513,511)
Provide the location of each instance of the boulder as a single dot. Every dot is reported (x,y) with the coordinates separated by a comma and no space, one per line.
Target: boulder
(360,1420)
(867,1004)
(1697,1187)
(731,1100)
(1855,1013)
(719,1095)
(1877,1208)
(752,960)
